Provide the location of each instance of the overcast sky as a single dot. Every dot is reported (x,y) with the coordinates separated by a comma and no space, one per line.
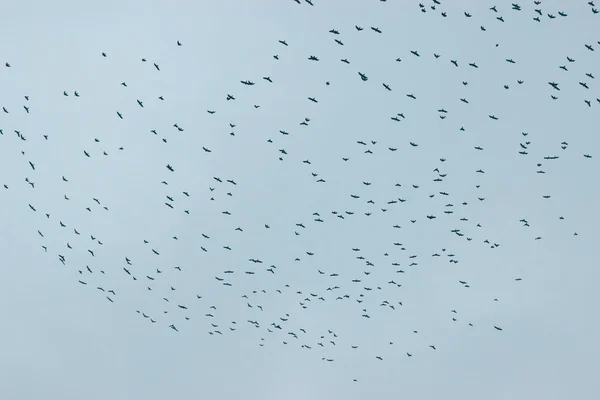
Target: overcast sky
(63,339)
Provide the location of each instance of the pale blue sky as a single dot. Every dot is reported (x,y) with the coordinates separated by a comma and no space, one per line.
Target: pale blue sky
(65,340)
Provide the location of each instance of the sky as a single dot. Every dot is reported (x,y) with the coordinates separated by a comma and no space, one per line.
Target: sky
(63,339)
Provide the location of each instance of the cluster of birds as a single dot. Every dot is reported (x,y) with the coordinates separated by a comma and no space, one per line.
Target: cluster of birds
(177,312)
(514,6)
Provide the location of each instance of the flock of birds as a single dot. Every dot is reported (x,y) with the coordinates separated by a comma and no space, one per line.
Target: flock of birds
(367,290)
